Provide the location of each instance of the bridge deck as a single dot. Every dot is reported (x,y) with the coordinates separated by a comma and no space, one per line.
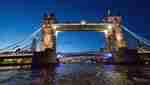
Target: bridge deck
(15,64)
(16,56)
(100,27)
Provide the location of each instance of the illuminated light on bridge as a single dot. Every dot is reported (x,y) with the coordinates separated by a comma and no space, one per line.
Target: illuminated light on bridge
(54,26)
(9,55)
(118,37)
(59,56)
(110,27)
(106,32)
(56,33)
(83,22)
(108,55)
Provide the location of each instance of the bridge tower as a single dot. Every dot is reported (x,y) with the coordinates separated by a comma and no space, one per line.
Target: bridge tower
(49,38)
(115,37)
(48,32)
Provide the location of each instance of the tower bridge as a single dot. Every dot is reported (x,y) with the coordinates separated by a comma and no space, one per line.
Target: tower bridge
(112,26)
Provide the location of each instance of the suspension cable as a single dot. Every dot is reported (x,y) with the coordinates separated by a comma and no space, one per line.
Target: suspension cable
(22,42)
(141,39)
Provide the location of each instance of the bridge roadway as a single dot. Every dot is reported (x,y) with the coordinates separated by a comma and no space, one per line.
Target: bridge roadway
(12,56)
(15,56)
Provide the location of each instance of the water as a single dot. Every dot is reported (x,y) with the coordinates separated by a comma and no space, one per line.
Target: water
(15,77)
(123,75)
(79,74)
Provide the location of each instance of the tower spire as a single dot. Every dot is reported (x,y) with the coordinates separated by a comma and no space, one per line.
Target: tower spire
(45,15)
(108,12)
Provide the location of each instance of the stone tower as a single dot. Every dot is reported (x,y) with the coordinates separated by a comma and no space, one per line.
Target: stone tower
(49,39)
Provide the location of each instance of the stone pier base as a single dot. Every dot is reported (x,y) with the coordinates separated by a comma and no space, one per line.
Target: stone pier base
(48,56)
(125,55)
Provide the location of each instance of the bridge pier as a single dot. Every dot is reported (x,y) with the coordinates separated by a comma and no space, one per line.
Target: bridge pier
(115,39)
(126,56)
(44,58)
(48,57)
(120,56)
(36,59)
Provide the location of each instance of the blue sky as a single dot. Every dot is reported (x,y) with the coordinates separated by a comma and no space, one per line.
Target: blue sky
(18,17)
(80,41)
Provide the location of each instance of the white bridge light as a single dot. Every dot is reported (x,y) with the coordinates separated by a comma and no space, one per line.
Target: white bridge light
(56,33)
(109,27)
(83,22)
(106,32)
(55,26)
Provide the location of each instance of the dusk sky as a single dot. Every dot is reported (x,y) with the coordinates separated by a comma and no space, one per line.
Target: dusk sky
(19,18)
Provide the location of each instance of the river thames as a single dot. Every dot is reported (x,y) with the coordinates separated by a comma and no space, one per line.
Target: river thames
(79,74)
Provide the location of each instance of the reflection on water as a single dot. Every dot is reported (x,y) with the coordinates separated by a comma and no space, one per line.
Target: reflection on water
(15,77)
(63,73)
(123,74)
(78,74)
